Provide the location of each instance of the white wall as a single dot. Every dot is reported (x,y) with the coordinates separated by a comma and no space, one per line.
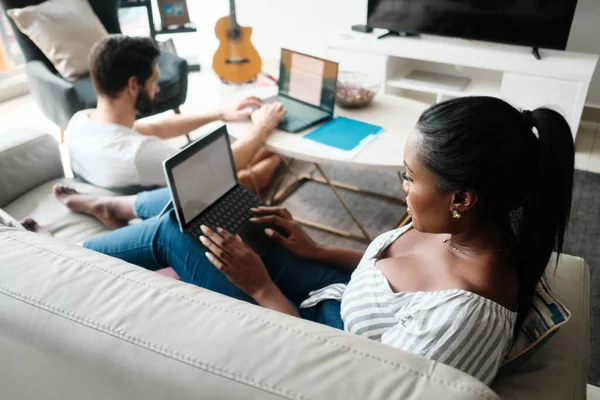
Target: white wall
(585,38)
(306,25)
(302,25)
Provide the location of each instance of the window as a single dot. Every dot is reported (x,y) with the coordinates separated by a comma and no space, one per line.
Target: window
(10,53)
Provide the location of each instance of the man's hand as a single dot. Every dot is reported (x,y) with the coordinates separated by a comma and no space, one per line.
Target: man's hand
(268,116)
(298,242)
(240,264)
(240,109)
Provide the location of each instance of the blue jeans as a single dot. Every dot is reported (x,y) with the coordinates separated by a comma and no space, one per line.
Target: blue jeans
(157,243)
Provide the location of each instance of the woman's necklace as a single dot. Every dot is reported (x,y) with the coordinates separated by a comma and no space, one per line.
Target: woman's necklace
(450,245)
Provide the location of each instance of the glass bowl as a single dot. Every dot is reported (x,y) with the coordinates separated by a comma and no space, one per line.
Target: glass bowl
(355,89)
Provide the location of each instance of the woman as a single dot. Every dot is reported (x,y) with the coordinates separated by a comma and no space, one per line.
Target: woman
(489,201)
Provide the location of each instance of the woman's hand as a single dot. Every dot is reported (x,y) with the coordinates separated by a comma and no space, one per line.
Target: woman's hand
(298,242)
(237,261)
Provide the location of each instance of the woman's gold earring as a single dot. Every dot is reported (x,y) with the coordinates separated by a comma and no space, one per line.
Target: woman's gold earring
(456,214)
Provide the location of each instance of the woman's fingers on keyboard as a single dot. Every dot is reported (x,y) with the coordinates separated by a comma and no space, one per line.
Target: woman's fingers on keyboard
(276,220)
(280,211)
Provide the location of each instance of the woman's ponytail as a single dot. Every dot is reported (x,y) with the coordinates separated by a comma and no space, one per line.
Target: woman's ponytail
(546,208)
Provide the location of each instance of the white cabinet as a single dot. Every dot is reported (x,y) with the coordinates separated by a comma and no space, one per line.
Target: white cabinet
(529,92)
(559,80)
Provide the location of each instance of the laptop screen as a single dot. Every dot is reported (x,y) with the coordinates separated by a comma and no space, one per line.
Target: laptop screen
(309,79)
(205,174)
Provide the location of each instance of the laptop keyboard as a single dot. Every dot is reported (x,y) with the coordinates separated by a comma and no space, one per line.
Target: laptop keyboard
(287,119)
(231,212)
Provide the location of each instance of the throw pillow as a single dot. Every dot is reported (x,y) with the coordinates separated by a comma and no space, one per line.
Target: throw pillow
(64,30)
(544,319)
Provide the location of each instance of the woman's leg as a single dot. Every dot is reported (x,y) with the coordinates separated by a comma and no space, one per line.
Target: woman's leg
(150,203)
(326,312)
(158,242)
(114,211)
(296,277)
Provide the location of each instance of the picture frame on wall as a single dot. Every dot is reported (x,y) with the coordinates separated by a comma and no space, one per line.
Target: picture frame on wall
(173,13)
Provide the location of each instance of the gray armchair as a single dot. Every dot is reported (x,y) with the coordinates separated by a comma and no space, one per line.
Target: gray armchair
(59,99)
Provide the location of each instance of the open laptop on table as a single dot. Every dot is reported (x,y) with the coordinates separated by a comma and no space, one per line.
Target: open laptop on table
(306,90)
(205,191)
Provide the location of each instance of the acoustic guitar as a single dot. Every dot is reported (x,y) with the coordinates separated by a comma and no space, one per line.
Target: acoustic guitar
(236,59)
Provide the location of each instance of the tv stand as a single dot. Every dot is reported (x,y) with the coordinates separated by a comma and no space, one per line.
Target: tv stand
(422,70)
(536,53)
(397,33)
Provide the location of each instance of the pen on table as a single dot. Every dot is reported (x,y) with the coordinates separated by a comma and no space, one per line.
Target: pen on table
(271,77)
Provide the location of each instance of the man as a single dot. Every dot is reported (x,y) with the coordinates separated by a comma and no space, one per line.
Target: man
(109,148)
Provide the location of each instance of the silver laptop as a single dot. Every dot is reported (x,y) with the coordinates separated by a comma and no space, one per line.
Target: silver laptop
(205,191)
(306,90)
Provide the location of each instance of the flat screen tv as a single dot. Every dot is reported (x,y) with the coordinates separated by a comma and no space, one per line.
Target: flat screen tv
(534,23)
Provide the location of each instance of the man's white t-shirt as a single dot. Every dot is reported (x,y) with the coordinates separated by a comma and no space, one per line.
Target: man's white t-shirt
(113,155)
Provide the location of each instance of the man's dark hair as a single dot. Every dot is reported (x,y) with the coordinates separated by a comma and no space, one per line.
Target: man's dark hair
(116,58)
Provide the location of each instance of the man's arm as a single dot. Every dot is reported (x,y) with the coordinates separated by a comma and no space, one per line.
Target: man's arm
(265,120)
(175,125)
(245,148)
(182,124)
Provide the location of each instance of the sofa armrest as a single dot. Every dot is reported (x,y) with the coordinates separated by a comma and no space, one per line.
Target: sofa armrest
(55,96)
(28,158)
(558,370)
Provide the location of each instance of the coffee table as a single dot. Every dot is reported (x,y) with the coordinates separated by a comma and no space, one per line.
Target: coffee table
(398,117)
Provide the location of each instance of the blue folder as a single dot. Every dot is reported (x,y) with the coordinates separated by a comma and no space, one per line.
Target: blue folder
(343,133)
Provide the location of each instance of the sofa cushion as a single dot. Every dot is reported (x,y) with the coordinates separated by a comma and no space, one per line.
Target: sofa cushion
(544,319)
(53,24)
(40,204)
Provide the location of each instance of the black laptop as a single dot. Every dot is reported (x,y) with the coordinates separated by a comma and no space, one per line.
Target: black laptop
(205,191)
(306,90)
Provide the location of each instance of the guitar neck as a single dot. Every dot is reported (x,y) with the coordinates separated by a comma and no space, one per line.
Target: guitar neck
(233,25)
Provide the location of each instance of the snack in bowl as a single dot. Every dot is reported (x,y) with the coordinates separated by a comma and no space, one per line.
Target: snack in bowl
(355,89)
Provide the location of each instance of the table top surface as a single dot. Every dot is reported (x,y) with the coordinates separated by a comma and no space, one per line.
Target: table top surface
(397,116)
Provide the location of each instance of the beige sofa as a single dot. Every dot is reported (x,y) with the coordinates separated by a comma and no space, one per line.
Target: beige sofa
(75,324)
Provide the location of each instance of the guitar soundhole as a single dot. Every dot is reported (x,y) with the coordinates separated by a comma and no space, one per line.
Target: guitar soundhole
(237,61)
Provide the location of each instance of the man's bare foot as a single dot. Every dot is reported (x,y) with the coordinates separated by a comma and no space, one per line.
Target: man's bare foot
(96,206)
(31,225)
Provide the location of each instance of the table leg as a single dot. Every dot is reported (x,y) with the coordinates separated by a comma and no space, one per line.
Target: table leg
(279,195)
(287,170)
(343,202)
(330,229)
(283,194)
